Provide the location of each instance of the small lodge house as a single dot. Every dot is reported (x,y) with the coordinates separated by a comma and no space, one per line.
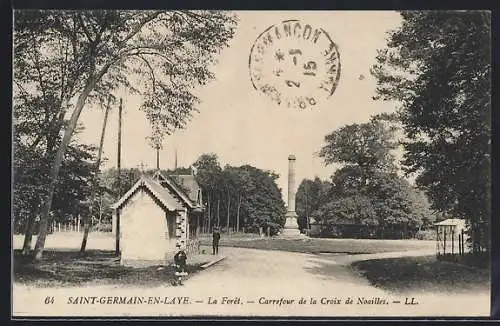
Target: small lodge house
(450,237)
(158,216)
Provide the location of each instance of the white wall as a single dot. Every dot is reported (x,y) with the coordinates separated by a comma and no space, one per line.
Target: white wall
(144,234)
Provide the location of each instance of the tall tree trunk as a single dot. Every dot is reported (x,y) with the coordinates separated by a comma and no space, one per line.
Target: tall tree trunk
(28,233)
(56,166)
(51,138)
(28,236)
(100,208)
(238,214)
(218,213)
(119,182)
(228,211)
(88,219)
(209,214)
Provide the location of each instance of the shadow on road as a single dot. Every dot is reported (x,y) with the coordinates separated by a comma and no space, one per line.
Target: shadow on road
(329,269)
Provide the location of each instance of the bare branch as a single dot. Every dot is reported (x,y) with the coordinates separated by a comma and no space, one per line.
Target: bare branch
(151,70)
(196,16)
(147,51)
(37,66)
(85,30)
(139,26)
(21,87)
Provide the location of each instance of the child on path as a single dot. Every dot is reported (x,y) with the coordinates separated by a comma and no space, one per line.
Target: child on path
(180,266)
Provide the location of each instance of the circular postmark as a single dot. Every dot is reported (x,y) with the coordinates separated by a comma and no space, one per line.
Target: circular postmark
(295,64)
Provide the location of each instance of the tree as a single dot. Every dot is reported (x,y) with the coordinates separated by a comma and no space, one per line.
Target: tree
(401,209)
(229,179)
(27,186)
(161,55)
(208,172)
(263,205)
(246,195)
(368,146)
(367,190)
(357,210)
(437,67)
(311,195)
(36,126)
(361,149)
(178,171)
(30,174)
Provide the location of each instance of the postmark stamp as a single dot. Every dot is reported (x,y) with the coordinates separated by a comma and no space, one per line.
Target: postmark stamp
(295,63)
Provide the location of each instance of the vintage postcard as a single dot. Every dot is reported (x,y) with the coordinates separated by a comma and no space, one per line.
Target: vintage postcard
(251,163)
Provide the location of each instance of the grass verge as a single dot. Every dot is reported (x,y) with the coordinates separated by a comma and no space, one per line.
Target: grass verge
(59,268)
(317,245)
(424,273)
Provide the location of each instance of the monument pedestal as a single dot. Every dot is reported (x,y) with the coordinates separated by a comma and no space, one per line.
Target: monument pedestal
(291,228)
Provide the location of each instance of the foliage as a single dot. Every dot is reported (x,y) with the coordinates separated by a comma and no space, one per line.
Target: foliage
(30,174)
(263,205)
(366,190)
(357,209)
(69,58)
(75,183)
(256,197)
(103,227)
(425,235)
(366,145)
(159,54)
(437,67)
(311,195)
(208,172)
(397,204)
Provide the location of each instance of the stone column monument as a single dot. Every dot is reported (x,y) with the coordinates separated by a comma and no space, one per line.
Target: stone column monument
(291,228)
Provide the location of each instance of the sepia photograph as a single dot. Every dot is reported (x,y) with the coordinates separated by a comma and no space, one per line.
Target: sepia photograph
(217,163)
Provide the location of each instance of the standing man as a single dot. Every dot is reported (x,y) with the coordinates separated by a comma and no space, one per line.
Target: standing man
(215,241)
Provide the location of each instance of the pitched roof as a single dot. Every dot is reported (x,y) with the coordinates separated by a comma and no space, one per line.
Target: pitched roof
(158,191)
(189,185)
(452,221)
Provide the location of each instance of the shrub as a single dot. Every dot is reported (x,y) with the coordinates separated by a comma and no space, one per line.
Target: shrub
(426,235)
(103,227)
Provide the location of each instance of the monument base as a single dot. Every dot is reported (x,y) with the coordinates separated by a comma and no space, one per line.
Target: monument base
(291,228)
(291,234)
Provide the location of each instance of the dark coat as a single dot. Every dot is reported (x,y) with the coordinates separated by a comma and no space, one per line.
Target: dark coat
(216,237)
(180,258)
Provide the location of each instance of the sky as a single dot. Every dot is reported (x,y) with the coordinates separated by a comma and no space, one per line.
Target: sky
(243,126)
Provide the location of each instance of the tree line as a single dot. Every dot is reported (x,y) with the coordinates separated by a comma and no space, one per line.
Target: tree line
(236,198)
(242,198)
